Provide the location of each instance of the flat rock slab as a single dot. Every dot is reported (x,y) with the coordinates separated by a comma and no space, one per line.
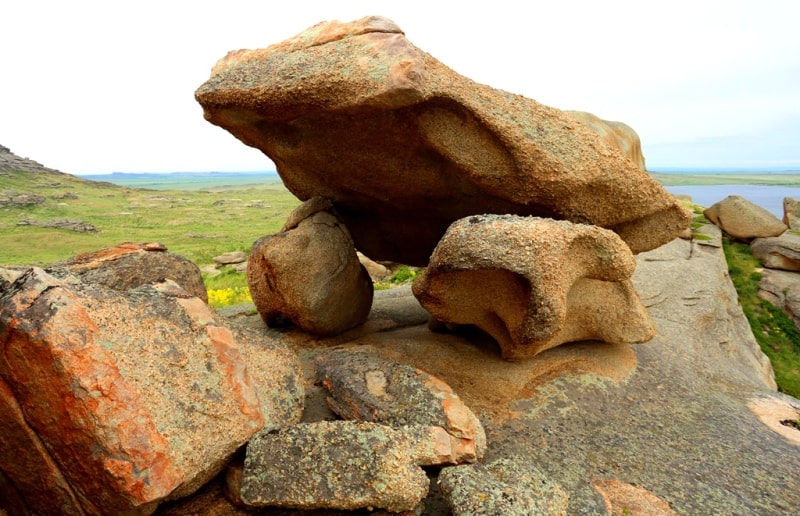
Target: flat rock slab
(404,146)
(780,252)
(338,465)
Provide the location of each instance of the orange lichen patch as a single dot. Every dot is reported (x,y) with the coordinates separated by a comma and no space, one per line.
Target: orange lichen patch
(775,413)
(629,499)
(112,253)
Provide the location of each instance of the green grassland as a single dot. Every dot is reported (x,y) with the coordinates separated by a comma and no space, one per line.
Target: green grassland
(198,224)
(707,178)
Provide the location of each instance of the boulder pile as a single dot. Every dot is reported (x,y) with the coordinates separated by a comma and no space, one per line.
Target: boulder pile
(395,155)
(123,392)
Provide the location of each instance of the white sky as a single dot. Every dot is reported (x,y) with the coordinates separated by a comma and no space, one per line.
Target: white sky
(102,86)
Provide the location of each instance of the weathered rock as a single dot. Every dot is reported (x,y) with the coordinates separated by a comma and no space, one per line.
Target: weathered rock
(542,283)
(375,270)
(658,416)
(404,146)
(13,198)
(744,220)
(309,273)
(230,258)
(614,134)
(780,252)
(137,396)
(129,265)
(365,387)
(506,486)
(782,289)
(35,483)
(277,376)
(68,224)
(791,213)
(339,465)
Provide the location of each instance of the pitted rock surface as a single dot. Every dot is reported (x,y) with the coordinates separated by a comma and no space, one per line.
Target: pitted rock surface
(534,283)
(309,273)
(404,146)
(365,387)
(614,134)
(506,486)
(337,465)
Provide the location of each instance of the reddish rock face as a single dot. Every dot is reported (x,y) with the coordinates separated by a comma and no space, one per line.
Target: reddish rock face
(404,146)
(130,265)
(136,396)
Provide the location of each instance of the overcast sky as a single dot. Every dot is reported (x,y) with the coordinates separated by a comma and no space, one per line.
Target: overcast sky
(102,86)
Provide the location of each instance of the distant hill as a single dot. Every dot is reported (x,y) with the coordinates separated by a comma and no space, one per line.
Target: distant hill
(10,162)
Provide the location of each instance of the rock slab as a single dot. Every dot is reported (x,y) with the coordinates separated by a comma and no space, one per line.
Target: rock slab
(337,465)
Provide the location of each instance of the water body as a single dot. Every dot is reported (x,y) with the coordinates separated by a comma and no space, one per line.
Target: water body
(769,197)
(186,180)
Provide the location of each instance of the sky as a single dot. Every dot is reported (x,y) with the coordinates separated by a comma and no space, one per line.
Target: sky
(91,87)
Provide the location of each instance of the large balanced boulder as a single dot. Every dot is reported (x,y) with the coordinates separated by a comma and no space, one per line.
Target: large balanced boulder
(404,146)
(743,219)
(131,396)
(534,283)
(309,273)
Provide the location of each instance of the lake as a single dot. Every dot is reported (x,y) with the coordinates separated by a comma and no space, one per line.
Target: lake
(769,197)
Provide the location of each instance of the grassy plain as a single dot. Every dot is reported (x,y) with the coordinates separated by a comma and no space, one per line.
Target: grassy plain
(709,178)
(198,224)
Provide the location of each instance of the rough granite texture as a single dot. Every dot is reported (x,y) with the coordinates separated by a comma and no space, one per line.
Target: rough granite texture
(309,273)
(780,252)
(335,464)
(534,283)
(404,146)
(505,486)
(129,265)
(136,395)
(365,387)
